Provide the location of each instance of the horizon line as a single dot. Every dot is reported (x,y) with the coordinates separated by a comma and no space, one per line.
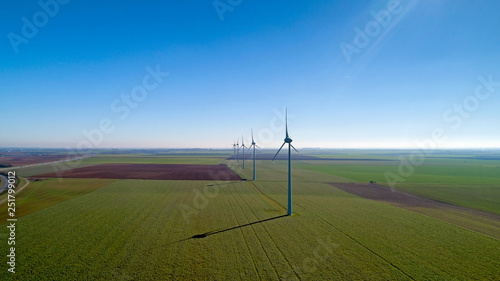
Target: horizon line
(228,148)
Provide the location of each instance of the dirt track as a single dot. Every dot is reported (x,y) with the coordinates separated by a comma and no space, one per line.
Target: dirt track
(17,191)
(149,171)
(406,200)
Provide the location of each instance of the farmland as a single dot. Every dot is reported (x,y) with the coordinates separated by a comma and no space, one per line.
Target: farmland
(193,230)
(56,167)
(14,160)
(144,159)
(43,194)
(149,171)
(474,184)
(151,243)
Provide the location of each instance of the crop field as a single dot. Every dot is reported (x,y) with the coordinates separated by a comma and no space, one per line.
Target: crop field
(50,168)
(121,159)
(239,234)
(108,159)
(98,229)
(149,171)
(21,160)
(43,194)
(473,183)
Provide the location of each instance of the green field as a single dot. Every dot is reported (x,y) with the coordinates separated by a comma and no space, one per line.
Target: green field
(473,183)
(90,229)
(43,194)
(134,230)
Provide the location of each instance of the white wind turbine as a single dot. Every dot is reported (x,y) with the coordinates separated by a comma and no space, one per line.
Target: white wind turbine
(254,145)
(237,152)
(234,149)
(290,146)
(243,151)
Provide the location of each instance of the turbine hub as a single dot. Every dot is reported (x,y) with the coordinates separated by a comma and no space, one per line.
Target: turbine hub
(288,140)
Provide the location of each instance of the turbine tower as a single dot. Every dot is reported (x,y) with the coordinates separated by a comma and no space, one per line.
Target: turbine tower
(290,146)
(254,145)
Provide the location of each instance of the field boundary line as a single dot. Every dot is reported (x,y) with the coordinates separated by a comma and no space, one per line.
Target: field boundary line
(361,244)
(456,211)
(267,198)
(241,231)
(257,236)
(274,243)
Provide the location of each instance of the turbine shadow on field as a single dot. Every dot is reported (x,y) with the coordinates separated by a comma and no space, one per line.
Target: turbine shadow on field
(209,233)
(206,234)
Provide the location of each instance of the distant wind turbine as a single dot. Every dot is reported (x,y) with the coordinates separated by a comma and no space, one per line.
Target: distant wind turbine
(254,145)
(234,149)
(290,146)
(243,150)
(237,151)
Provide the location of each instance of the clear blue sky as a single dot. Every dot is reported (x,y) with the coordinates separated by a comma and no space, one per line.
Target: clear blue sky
(232,71)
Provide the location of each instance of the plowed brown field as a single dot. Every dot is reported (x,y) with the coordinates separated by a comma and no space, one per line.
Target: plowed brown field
(149,171)
(408,200)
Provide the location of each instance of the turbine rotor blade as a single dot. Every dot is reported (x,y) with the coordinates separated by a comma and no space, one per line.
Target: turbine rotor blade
(257,146)
(286,121)
(294,148)
(278,151)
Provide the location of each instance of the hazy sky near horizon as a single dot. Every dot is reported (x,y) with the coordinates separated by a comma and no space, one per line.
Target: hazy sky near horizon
(353,74)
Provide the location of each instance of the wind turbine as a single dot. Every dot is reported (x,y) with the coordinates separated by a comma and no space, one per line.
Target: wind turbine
(243,146)
(237,152)
(290,146)
(254,145)
(234,149)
